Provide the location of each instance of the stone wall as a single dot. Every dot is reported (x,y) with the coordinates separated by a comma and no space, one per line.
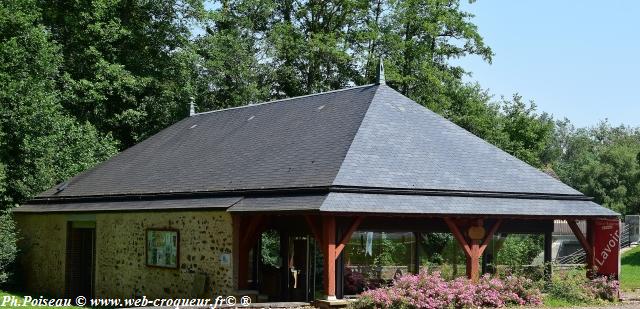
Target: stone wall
(121,269)
(42,245)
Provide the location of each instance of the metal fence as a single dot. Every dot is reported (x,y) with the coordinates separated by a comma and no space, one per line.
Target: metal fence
(578,257)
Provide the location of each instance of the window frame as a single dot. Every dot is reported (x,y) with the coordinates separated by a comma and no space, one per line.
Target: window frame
(146,247)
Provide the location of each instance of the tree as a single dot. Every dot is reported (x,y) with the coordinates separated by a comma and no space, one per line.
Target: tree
(309,45)
(526,134)
(8,248)
(420,38)
(229,73)
(127,66)
(470,107)
(601,162)
(40,145)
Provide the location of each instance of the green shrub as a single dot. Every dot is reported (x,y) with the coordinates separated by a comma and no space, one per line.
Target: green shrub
(8,247)
(568,286)
(572,286)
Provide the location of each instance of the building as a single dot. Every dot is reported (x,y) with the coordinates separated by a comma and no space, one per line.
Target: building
(181,213)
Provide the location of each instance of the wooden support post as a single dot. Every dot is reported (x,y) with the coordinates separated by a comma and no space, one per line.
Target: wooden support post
(474,248)
(248,230)
(590,259)
(548,242)
(473,262)
(585,242)
(458,236)
(329,238)
(325,234)
(316,230)
(347,235)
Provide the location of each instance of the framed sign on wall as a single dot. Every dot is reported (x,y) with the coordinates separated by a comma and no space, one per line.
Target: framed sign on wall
(162,248)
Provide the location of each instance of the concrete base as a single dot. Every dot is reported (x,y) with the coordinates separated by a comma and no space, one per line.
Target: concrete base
(253,294)
(327,304)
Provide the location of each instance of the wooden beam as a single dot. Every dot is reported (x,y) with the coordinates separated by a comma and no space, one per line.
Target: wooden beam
(329,235)
(256,233)
(487,238)
(473,262)
(548,247)
(458,236)
(242,253)
(253,227)
(347,236)
(315,230)
(591,271)
(583,241)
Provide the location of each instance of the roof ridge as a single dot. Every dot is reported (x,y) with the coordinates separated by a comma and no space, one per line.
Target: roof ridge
(364,115)
(285,99)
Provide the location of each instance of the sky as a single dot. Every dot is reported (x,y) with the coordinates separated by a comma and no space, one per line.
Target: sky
(575,59)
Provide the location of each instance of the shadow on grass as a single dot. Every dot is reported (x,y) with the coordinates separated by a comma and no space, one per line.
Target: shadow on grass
(632,258)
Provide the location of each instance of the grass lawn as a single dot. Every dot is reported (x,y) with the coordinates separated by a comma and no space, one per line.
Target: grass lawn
(551,302)
(6,295)
(630,272)
(556,303)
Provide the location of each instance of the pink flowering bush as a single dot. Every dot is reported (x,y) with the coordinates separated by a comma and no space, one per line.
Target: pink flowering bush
(604,288)
(431,291)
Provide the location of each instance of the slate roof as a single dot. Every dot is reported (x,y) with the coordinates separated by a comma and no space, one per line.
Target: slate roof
(219,203)
(299,142)
(369,137)
(361,203)
(461,205)
(339,202)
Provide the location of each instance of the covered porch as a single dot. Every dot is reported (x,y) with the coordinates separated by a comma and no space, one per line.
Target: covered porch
(320,254)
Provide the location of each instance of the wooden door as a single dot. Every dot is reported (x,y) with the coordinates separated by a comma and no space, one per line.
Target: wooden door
(80,262)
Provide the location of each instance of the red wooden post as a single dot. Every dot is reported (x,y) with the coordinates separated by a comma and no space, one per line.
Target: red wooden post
(241,256)
(473,262)
(329,238)
(585,242)
(246,232)
(591,267)
(347,235)
(473,249)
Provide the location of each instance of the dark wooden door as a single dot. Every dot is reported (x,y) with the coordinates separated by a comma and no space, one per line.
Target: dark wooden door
(80,261)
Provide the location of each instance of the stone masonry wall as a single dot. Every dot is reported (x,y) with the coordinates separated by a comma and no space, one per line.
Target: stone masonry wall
(121,269)
(42,244)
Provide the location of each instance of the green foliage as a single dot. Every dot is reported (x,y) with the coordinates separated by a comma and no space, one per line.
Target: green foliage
(527,133)
(127,65)
(393,251)
(601,162)
(630,269)
(80,79)
(270,250)
(8,248)
(520,250)
(40,144)
(572,287)
(568,286)
(419,38)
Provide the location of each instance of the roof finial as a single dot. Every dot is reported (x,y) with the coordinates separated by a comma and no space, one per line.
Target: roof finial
(380,80)
(192,107)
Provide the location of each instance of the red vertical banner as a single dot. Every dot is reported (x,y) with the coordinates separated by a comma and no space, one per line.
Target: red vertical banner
(606,245)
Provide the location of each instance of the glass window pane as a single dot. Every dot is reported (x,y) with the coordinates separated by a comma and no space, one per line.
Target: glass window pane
(441,252)
(374,259)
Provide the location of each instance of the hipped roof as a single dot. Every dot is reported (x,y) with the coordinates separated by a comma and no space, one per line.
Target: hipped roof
(369,138)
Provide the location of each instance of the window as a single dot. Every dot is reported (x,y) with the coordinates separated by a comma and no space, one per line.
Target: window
(162,248)
(374,259)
